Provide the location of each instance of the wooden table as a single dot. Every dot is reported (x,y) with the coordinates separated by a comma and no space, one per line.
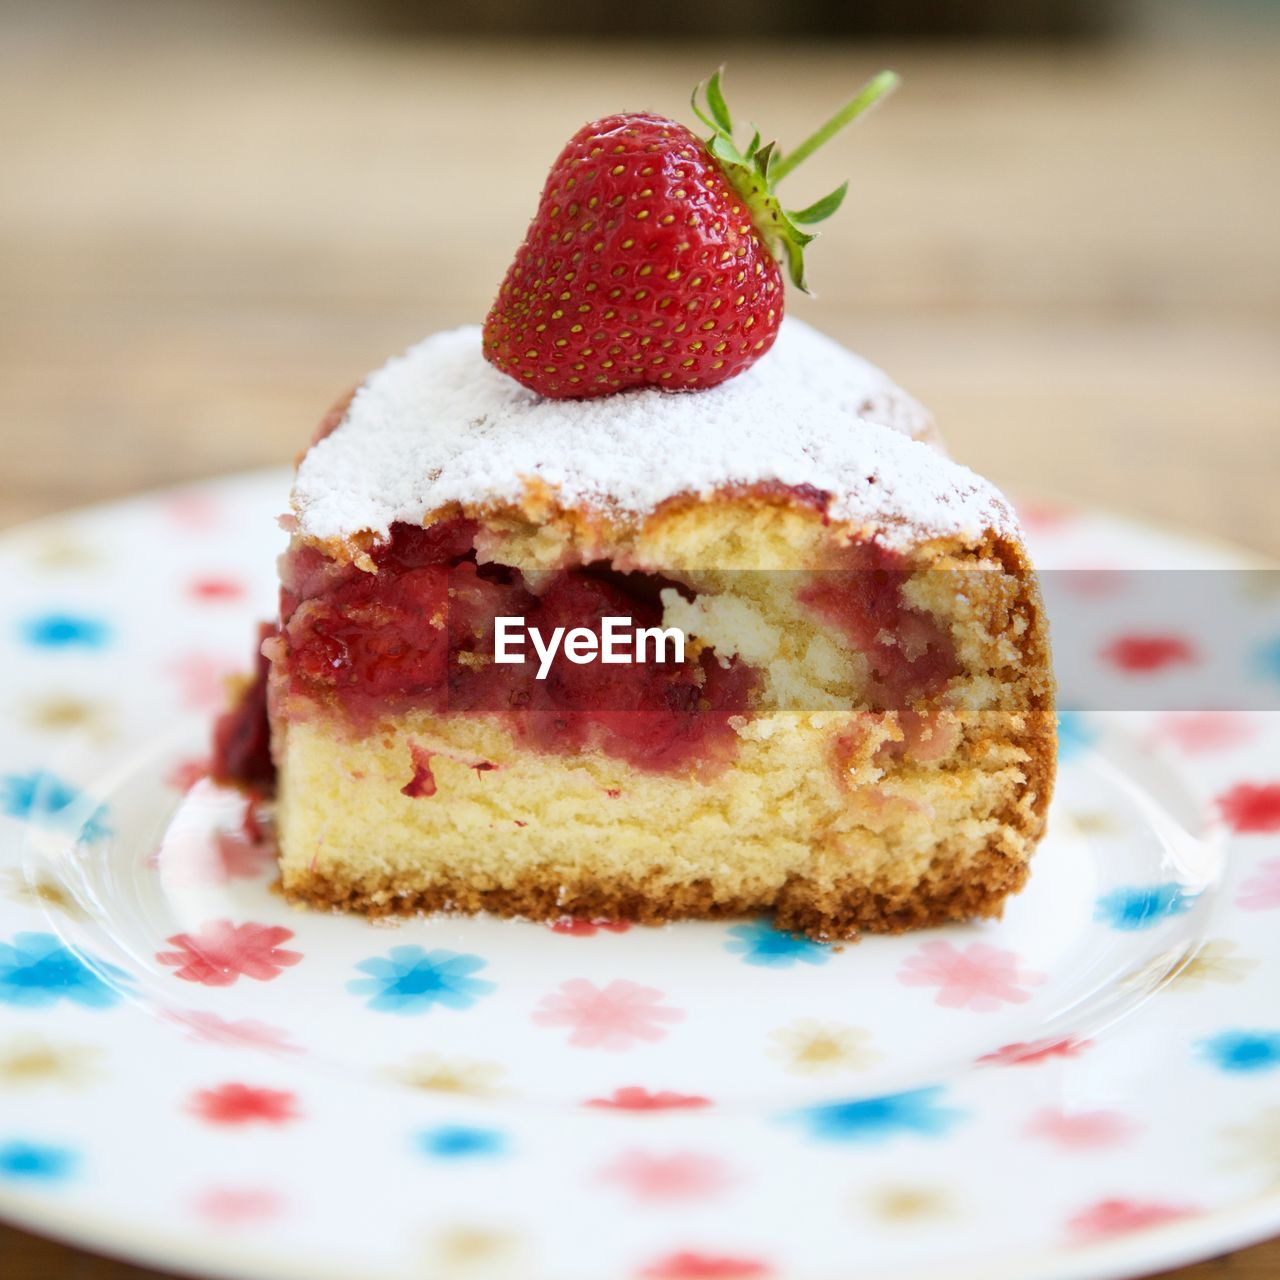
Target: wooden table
(1070,256)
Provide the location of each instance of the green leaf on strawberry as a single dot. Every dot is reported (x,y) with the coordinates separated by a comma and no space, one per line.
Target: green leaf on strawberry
(756,172)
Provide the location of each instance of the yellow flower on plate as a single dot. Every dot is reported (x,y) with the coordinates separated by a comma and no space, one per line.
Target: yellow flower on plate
(466,1250)
(1216,961)
(436,1074)
(1097,823)
(61,549)
(42,890)
(1257,1143)
(816,1048)
(28,1061)
(1191,967)
(909,1204)
(59,713)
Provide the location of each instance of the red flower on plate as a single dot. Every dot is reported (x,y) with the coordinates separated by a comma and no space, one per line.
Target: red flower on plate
(682,1175)
(1194,731)
(1025,1054)
(222,952)
(239,1033)
(1147,654)
(192,509)
(1044,516)
(238,1206)
(634,1098)
(576,928)
(1081,1130)
(1093,583)
(1262,892)
(202,679)
(705,1266)
(615,1017)
(1252,808)
(215,589)
(234,1103)
(1118,1217)
(978,977)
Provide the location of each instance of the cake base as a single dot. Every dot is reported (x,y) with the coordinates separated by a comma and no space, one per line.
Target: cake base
(839,911)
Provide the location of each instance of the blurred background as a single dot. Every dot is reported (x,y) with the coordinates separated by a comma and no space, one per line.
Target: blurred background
(214,217)
(1062,232)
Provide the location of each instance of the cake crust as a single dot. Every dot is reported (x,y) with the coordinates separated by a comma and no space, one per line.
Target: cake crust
(841,911)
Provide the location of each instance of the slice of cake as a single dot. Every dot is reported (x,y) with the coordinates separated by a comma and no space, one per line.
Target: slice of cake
(646,604)
(859,735)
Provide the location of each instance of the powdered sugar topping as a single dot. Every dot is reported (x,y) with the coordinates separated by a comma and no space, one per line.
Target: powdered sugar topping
(439,425)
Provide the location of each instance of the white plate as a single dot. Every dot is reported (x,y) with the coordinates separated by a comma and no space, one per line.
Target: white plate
(1090,1087)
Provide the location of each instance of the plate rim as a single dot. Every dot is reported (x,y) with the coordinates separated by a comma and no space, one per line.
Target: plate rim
(1137,1253)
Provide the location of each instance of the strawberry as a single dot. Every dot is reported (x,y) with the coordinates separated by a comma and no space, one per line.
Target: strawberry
(652,259)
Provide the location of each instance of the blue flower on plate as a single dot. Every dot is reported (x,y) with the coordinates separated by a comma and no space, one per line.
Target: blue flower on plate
(38,970)
(461,1142)
(32,1161)
(760,943)
(1136,907)
(47,800)
(1267,658)
(65,631)
(411,980)
(1075,736)
(1242,1051)
(876,1119)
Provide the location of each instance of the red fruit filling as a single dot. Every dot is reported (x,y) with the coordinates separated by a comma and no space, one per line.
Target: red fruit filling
(419,633)
(241,735)
(909,654)
(423,782)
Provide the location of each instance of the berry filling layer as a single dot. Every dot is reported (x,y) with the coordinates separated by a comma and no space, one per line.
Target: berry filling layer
(419,633)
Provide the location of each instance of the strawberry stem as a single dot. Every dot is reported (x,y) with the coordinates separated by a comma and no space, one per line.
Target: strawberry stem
(756,173)
(876,88)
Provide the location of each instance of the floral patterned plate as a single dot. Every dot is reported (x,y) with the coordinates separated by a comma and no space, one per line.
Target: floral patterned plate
(195,1075)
